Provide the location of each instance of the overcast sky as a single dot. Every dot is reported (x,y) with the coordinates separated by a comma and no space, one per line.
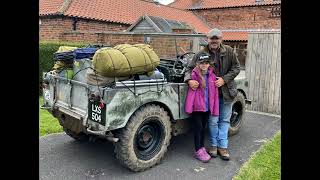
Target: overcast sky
(165,1)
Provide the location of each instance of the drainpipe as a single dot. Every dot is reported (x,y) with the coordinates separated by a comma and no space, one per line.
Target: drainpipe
(74,24)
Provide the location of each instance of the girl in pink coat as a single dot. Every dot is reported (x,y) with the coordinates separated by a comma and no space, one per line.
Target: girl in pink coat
(201,102)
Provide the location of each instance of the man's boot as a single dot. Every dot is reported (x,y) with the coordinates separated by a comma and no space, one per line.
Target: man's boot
(224,154)
(213,151)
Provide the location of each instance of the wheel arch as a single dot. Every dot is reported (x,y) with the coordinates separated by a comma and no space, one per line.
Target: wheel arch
(129,115)
(164,106)
(243,93)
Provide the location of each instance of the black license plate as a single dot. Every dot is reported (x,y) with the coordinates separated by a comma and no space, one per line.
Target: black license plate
(97,112)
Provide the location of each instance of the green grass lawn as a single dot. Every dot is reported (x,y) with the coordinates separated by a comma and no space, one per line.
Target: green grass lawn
(264,164)
(48,124)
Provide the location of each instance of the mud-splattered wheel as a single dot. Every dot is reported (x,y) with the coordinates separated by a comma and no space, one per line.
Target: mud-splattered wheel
(144,140)
(237,116)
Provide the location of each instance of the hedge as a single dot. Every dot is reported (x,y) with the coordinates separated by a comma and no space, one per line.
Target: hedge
(46,50)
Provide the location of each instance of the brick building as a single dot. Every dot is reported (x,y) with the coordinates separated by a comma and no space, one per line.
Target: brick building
(95,20)
(58,17)
(235,14)
(236,18)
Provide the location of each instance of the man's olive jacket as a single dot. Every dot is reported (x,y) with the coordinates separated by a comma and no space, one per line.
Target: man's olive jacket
(230,68)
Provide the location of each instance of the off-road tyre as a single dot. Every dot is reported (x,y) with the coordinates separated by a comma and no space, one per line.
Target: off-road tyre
(144,140)
(238,114)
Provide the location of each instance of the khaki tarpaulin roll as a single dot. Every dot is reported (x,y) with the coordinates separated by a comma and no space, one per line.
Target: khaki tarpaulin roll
(99,80)
(66,48)
(152,55)
(109,62)
(60,65)
(125,60)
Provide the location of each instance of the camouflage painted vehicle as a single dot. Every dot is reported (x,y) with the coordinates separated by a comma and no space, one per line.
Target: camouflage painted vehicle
(139,116)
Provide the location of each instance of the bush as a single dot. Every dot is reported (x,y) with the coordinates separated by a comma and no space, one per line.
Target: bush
(46,50)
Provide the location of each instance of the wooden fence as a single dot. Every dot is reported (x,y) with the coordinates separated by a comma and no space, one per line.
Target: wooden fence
(263,70)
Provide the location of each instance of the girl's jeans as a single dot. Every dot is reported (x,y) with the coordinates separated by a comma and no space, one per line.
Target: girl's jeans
(219,125)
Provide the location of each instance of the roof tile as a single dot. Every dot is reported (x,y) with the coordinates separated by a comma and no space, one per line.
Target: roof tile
(235,36)
(47,7)
(205,4)
(124,11)
(129,11)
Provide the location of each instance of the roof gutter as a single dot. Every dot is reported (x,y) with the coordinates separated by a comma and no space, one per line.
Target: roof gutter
(234,6)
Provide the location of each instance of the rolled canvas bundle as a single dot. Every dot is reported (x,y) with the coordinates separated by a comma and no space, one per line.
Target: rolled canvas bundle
(99,80)
(63,58)
(125,60)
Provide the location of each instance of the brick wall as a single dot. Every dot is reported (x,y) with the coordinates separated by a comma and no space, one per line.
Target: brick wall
(53,28)
(60,29)
(164,46)
(90,25)
(241,17)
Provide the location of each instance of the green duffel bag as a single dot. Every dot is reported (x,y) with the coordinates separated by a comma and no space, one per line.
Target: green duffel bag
(125,60)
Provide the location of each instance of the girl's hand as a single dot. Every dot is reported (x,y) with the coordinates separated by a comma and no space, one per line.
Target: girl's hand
(193,84)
